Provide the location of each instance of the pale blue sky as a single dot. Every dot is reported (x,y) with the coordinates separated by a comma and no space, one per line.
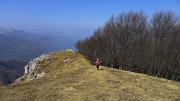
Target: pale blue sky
(73,14)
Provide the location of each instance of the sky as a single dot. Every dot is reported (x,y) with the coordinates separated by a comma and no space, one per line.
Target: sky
(73,16)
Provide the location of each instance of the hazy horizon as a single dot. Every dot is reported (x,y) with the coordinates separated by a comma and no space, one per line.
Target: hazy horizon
(73,17)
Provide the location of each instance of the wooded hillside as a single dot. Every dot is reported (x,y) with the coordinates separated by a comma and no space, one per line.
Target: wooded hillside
(132,41)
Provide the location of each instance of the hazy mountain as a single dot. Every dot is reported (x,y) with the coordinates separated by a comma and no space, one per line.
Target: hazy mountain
(24,46)
(10,70)
(48,32)
(20,45)
(76,34)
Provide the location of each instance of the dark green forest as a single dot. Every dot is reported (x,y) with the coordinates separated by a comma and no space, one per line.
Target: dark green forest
(135,42)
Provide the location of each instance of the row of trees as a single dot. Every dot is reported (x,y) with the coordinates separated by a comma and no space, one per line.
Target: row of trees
(133,42)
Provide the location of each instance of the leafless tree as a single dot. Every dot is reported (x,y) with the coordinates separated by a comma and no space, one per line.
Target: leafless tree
(130,42)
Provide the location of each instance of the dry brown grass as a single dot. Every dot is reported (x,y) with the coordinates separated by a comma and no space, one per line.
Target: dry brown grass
(77,80)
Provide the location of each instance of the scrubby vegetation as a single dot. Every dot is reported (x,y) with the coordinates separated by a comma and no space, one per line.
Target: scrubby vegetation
(132,42)
(78,80)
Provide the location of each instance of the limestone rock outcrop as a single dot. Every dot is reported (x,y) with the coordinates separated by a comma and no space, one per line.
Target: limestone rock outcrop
(33,70)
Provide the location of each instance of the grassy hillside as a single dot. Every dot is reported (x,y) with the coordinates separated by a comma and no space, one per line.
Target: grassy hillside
(77,80)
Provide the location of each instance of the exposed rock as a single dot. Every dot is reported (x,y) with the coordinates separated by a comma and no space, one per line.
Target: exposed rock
(69,50)
(66,60)
(40,75)
(32,69)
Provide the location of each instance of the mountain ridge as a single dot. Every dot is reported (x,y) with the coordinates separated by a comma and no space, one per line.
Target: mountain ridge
(76,79)
(24,46)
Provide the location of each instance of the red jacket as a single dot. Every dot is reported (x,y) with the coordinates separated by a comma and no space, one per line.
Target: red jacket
(98,62)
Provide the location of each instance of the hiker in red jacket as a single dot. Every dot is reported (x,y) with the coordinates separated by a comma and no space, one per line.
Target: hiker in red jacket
(98,62)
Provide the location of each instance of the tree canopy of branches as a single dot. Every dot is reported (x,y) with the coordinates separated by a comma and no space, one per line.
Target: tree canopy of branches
(131,42)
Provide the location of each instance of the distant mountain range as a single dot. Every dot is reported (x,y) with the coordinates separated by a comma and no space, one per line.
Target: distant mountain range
(17,47)
(21,45)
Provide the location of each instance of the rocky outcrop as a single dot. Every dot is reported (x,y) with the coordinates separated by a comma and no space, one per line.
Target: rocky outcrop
(33,70)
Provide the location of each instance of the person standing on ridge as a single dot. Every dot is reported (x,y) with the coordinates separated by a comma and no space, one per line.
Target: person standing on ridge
(98,62)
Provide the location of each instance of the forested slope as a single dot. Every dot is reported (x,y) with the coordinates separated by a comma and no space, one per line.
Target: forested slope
(132,41)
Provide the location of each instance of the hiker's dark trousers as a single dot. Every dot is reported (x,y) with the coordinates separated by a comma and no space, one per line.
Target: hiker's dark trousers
(97,66)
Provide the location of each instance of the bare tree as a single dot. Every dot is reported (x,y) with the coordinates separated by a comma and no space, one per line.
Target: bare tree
(162,27)
(131,43)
